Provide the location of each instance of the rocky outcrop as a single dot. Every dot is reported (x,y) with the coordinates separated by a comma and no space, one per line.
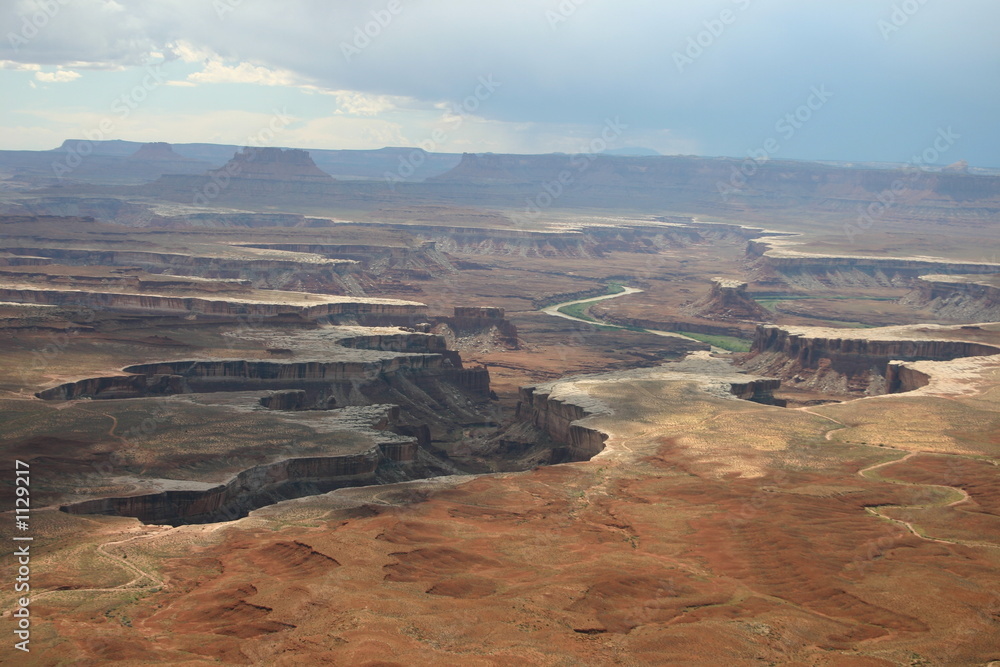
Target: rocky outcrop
(271,164)
(118,386)
(476,321)
(402,342)
(901,377)
(758,390)
(479,312)
(836,361)
(473,321)
(960,298)
(259,486)
(557,419)
(728,300)
(289,399)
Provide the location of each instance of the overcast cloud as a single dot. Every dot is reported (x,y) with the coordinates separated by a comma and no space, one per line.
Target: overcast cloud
(713,78)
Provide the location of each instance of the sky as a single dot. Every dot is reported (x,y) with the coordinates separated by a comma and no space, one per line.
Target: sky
(847,80)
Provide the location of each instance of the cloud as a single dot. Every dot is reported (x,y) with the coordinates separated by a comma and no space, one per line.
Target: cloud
(218,72)
(60,76)
(353,103)
(11,65)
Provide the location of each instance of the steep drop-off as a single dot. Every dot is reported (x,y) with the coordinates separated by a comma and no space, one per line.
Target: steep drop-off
(838,361)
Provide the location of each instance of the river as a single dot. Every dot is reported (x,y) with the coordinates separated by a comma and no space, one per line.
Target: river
(554,311)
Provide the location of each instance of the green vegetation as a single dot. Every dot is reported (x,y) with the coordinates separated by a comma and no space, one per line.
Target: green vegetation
(769,304)
(730,343)
(579,311)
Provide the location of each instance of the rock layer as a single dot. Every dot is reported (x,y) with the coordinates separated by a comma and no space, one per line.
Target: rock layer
(258,486)
(728,300)
(820,359)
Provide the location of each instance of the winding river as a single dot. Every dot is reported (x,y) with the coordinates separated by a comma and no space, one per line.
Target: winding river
(554,311)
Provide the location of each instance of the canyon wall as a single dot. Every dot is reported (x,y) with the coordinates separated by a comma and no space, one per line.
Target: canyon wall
(227,307)
(819,359)
(252,488)
(556,418)
(832,270)
(901,377)
(591,241)
(323,379)
(961,298)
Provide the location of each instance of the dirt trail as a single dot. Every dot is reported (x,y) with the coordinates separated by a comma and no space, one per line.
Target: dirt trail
(122,562)
(877,511)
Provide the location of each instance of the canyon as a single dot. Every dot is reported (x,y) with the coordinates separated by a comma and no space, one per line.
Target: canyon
(321,418)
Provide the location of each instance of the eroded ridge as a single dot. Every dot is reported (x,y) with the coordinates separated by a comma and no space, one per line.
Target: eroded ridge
(859,362)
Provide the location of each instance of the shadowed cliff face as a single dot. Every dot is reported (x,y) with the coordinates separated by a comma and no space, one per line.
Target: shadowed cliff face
(253,488)
(816,359)
(956,297)
(404,392)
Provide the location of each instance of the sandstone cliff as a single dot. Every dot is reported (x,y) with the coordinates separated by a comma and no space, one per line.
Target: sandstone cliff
(268,304)
(956,297)
(728,300)
(271,164)
(258,486)
(848,361)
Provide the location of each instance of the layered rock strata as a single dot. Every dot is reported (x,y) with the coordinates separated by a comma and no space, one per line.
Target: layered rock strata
(956,297)
(728,300)
(776,258)
(256,487)
(836,360)
(267,304)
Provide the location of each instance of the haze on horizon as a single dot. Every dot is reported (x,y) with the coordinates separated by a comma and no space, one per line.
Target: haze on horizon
(851,80)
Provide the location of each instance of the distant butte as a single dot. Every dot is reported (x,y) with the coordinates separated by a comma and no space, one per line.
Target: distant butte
(273,164)
(729,300)
(158,151)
